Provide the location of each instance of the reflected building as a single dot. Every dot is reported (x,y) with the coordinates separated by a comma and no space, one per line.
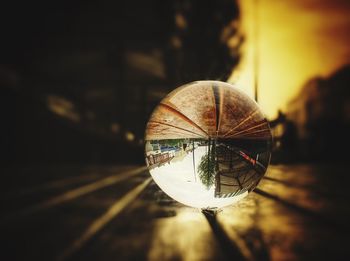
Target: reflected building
(160,152)
(237,172)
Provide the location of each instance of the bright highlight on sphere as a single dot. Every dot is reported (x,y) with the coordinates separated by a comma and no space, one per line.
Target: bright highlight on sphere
(207,144)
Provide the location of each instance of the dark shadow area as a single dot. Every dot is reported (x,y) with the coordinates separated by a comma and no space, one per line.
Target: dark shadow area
(228,246)
(313,189)
(314,216)
(254,239)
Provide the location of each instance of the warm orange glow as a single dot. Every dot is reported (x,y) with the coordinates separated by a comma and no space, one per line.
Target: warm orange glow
(297,41)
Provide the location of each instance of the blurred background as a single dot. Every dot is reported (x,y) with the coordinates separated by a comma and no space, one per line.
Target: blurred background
(79,80)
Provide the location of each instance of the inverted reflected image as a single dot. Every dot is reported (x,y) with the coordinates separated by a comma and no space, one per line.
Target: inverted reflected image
(203,149)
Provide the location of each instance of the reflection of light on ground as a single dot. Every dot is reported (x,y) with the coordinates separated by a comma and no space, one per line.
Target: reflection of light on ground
(260,222)
(154,227)
(102,221)
(265,222)
(287,185)
(78,192)
(176,178)
(183,237)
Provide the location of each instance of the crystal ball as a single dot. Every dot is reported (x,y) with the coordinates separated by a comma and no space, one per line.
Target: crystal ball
(207,144)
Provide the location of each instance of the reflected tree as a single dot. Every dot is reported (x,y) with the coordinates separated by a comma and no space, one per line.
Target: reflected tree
(207,165)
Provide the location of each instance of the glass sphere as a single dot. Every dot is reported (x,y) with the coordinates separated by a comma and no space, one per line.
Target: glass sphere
(207,144)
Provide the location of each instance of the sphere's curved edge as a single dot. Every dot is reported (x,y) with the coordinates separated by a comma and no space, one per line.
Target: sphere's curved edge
(207,144)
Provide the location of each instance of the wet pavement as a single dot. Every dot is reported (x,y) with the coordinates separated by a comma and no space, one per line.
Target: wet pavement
(298,212)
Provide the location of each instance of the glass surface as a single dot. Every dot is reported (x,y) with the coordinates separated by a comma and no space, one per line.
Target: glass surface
(207,144)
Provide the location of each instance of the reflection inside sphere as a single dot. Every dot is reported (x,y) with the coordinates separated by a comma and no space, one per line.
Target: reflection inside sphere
(207,144)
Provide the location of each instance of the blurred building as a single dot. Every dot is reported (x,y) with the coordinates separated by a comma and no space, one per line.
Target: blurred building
(316,125)
(79,80)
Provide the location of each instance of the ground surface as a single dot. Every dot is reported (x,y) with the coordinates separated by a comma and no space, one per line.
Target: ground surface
(298,212)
